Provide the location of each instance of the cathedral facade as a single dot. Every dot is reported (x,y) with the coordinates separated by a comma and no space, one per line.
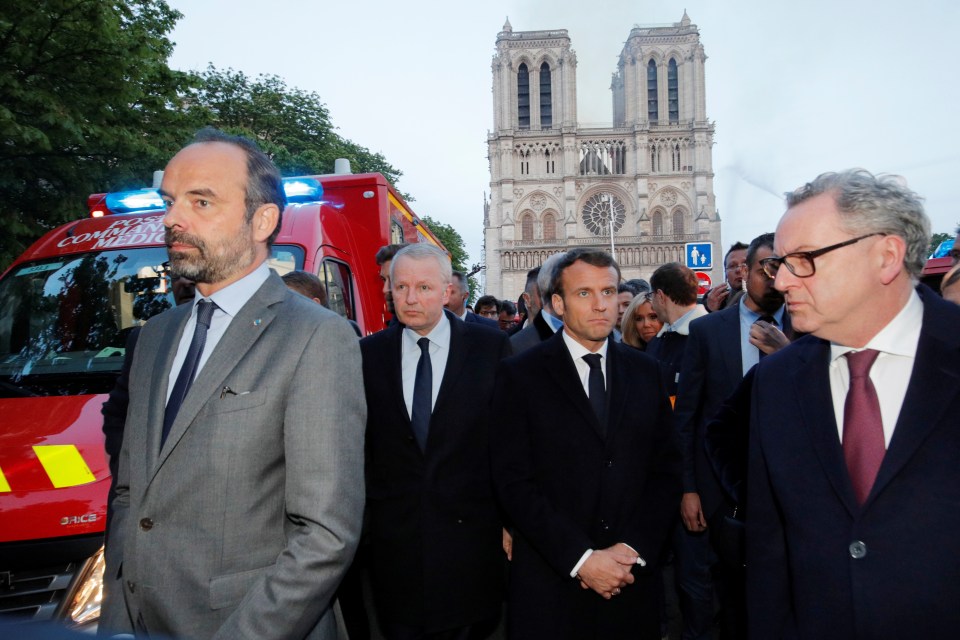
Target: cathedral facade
(642,187)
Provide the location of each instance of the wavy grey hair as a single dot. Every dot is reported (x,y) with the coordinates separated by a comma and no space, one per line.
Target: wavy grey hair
(875,204)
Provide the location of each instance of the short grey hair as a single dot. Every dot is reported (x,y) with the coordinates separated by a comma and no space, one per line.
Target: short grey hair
(424,251)
(545,277)
(875,204)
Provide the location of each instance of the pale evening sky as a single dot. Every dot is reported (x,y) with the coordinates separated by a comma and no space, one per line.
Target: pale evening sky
(795,89)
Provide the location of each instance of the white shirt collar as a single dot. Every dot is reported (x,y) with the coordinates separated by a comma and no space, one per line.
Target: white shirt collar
(231,298)
(577,350)
(899,337)
(439,335)
(682,325)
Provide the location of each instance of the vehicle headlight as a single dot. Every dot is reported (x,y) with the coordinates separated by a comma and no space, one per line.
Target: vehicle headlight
(87,593)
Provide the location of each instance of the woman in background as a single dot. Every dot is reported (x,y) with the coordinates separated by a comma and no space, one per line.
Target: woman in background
(640,323)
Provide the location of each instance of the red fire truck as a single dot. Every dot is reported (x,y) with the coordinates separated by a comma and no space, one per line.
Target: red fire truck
(66,306)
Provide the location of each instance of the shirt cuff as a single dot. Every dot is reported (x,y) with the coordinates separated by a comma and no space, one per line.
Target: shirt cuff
(640,561)
(583,558)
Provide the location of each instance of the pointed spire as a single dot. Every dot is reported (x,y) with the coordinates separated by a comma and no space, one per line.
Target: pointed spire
(685,20)
(507,27)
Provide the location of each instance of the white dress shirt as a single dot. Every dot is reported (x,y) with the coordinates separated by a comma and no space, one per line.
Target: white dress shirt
(890,374)
(229,301)
(410,353)
(577,351)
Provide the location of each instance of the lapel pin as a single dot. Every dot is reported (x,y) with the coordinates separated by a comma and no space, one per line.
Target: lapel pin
(257,322)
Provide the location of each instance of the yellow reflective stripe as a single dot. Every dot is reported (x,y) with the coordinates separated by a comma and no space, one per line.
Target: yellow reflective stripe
(64,464)
(4,485)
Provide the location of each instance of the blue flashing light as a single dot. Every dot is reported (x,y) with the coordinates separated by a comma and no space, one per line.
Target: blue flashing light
(135,201)
(302,189)
(943,249)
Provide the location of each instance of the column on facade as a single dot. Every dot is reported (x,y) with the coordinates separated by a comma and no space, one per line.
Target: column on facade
(630,90)
(701,87)
(534,84)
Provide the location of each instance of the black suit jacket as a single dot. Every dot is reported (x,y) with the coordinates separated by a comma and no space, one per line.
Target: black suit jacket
(711,369)
(434,529)
(820,566)
(569,484)
(532,335)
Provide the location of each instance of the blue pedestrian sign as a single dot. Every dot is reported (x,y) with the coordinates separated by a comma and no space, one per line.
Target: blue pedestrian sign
(699,255)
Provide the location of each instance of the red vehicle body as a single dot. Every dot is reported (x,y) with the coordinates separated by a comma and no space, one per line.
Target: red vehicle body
(66,306)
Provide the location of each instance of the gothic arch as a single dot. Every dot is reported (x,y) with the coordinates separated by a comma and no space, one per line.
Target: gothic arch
(550,59)
(549,224)
(679,217)
(656,221)
(674,53)
(539,201)
(523,58)
(526,225)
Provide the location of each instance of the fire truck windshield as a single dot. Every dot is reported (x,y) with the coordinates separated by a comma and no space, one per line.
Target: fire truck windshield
(64,321)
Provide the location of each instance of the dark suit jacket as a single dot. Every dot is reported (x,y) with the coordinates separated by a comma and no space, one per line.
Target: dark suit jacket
(532,335)
(434,529)
(569,484)
(478,319)
(712,367)
(820,566)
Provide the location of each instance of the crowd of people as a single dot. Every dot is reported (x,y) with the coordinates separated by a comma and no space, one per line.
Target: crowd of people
(788,446)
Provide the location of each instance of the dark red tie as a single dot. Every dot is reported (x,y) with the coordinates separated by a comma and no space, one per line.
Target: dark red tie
(863,443)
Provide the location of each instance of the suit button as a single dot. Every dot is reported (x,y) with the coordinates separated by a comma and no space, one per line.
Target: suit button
(608,464)
(146,524)
(132,587)
(604,525)
(858,550)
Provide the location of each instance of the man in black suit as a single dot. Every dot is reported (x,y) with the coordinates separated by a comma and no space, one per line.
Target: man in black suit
(435,533)
(457,304)
(586,468)
(546,322)
(854,486)
(720,349)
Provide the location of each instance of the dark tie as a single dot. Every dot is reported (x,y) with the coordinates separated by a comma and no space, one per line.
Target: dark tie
(769,320)
(598,391)
(188,371)
(422,395)
(863,442)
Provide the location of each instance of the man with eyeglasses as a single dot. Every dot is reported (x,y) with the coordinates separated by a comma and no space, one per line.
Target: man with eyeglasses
(854,484)
(720,349)
(728,293)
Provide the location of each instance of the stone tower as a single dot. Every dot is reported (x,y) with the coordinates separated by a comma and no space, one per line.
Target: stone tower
(556,185)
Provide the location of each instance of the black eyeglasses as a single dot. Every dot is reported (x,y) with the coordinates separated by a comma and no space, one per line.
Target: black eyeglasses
(800,263)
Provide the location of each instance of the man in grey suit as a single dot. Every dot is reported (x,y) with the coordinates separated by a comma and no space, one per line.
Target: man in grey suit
(240,492)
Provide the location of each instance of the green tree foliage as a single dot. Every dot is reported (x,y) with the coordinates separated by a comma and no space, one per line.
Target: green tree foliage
(86,104)
(453,241)
(291,125)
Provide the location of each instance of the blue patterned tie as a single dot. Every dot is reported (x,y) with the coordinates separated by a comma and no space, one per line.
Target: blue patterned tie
(422,395)
(188,371)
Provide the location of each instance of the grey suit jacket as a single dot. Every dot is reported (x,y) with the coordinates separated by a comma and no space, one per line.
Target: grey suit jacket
(244,523)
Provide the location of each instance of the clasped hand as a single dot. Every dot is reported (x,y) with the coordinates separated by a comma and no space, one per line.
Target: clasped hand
(606,571)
